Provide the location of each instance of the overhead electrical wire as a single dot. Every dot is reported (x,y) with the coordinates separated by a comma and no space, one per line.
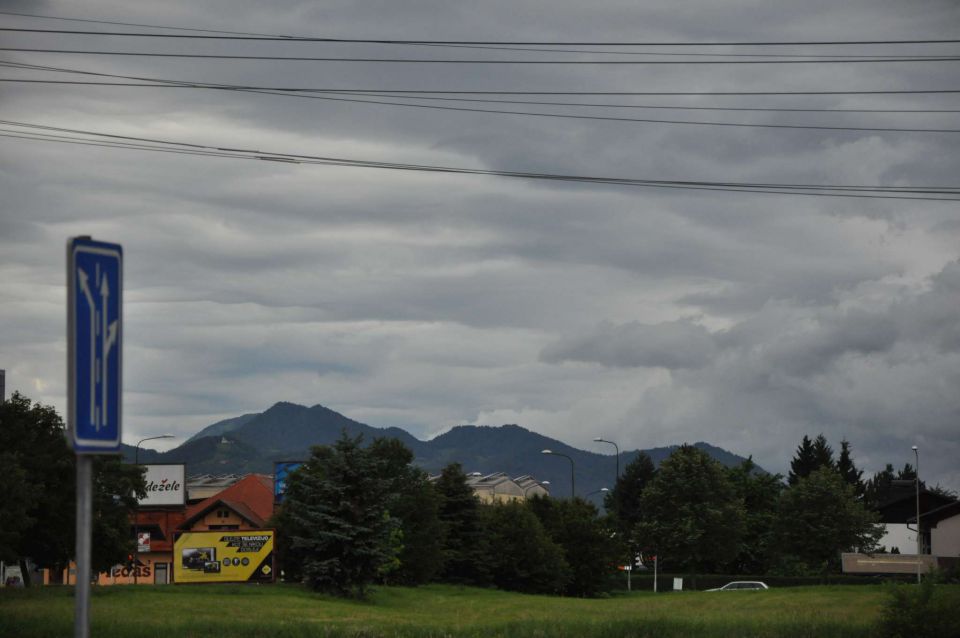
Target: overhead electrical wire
(151,82)
(234,35)
(60,134)
(301,58)
(673,107)
(604,118)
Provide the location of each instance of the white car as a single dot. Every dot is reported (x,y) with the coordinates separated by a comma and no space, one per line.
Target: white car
(741,585)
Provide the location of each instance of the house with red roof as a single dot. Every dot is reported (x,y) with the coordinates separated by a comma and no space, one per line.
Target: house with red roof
(245,505)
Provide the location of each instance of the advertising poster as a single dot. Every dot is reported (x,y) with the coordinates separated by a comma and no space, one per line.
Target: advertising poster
(165,485)
(281,470)
(223,557)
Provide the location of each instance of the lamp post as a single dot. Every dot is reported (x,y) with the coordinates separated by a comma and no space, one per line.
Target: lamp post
(136,515)
(617,447)
(535,484)
(573,488)
(602,490)
(916,454)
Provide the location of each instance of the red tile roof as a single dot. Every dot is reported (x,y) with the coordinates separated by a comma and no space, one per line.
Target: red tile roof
(251,497)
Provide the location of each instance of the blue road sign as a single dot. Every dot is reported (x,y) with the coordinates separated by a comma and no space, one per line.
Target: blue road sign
(94,344)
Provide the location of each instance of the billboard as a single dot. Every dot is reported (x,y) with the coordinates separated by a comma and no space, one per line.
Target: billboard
(281,471)
(165,485)
(223,557)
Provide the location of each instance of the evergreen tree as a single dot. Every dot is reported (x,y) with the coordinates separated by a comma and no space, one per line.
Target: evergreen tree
(760,493)
(575,525)
(334,528)
(692,516)
(810,456)
(465,545)
(822,453)
(415,503)
(879,489)
(525,558)
(818,519)
(849,471)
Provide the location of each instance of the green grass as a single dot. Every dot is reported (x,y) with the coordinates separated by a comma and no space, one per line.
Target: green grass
(437,611)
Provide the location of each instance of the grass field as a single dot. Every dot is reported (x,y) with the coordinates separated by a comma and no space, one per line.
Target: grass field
(436,611)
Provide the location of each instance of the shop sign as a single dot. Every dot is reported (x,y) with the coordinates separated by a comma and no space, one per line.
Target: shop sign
(223,557)
(165,485)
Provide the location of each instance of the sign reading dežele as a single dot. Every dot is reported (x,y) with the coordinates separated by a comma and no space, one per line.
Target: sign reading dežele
(223,557)
(165,485)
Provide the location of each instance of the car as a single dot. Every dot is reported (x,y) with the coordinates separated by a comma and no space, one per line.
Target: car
(741,585)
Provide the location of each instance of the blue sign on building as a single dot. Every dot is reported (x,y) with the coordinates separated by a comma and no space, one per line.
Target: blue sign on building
(281,472)
(94,344)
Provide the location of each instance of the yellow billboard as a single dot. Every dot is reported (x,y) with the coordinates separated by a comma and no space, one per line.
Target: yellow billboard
(223,557)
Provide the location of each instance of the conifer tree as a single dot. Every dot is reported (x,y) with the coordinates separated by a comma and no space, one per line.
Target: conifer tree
(810,456)
(335,532)
(849,471)
(464,547)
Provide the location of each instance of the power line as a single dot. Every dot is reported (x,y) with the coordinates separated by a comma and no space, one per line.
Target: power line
(673,107)
(230,35)
(599,118)
(298,58)
(140,143)
(396,92)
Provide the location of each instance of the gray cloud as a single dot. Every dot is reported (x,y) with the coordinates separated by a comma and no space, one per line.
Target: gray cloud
(427,300)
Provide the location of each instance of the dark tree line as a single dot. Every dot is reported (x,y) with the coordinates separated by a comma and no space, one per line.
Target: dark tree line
(356,515)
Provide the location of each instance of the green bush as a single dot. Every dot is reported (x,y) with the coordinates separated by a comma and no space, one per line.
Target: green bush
(924,611)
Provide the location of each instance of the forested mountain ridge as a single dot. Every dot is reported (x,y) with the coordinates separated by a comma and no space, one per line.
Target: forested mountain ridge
(286,431)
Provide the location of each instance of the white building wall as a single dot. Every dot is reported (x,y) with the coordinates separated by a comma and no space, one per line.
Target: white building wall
(945,537)
(897,535)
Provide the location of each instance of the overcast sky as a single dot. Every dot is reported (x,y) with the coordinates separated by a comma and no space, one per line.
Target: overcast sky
(427,300)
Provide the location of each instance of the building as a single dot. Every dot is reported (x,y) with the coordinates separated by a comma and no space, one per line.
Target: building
(245,505)
(500,488)
(898,516)
(942,528)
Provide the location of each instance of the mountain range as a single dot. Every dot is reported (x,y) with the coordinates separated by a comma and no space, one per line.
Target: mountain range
(286,431)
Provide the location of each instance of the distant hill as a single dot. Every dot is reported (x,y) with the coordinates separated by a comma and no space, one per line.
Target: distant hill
(286,431)
(224,427)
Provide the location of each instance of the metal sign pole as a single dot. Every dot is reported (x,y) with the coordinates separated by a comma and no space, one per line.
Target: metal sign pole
(84,525)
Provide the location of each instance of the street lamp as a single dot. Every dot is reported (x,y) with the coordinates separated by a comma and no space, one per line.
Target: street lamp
(535,484)
(617,447)
(916,454)
(601,490)
(573,488)
(136,516)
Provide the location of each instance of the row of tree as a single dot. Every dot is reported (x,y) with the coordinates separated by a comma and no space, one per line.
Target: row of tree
(355,515)
(702,517)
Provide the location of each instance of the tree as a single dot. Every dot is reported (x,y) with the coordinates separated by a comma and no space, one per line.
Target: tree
(819,518)
(692,515)
(879,488)
(334,525)
(465,545)
(415,503)
(524,558)
(39,485)
(575,525)
(116,488)
(33,438)
(760,493)
(849,471)
(623,502)
(810,456)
